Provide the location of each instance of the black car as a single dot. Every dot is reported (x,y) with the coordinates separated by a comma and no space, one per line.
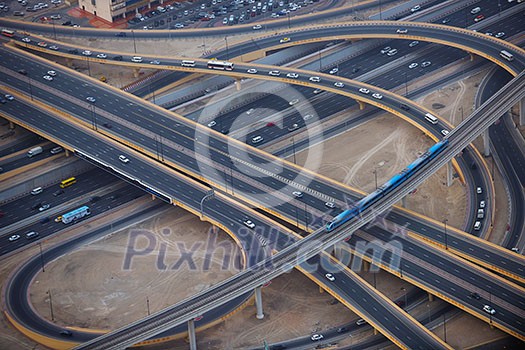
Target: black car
(66,333)
(66,23)
(117,58)
(58,193)
(475,295)
(22,71)
(73,51)
(121,34)
(404,107)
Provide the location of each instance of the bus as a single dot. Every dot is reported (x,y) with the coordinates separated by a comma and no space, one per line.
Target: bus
(506,55)
(68,182)
(8,33)
(431,118)
(75,214)
(221,65)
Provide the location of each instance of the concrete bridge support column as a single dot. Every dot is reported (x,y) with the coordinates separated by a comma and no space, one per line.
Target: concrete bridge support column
(404,202)
(430,297)
(136,72)
(67,153)
(238,84)
(361,105)
(11,125)
(258,303)
(450,170)
(486,143)
(472,56)
(522,112)
(191,335)
(69,62)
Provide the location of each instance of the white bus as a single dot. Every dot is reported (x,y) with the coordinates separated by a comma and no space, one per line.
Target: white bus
(221,65)
(506,55)
(431,118)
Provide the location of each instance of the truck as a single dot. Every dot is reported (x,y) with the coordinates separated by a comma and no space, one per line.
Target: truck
(34,151)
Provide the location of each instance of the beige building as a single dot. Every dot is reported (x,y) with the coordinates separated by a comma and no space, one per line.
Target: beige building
(111,10)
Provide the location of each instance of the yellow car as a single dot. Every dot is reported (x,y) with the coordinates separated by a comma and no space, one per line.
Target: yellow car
(285,40)
(58,218)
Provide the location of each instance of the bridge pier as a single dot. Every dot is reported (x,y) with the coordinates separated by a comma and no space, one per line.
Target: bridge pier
(11,125)
(522,112)
(136,72)
(238,84)
(472,56)
(258,303)
(404,202)
(450,170)
(67,152)
(361,105)
(486,143)
(430,297)
(69,62)
(191,335)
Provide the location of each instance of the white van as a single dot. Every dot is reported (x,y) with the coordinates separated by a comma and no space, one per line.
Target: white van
(475,10)
(477,225)
(257,139)
(187,63)
(37,190)
(136,59)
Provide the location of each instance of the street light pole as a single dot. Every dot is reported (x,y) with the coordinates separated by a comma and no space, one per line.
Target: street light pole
(227,49)
(445,222)
(405,292)
(41,257)
(147,304)
(208,195)
(51,304)
(293,149)
(375,176)
(445,327)
(134,44)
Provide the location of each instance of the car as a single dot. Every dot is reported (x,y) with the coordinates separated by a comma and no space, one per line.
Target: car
(66,333)
(515,249)
(107,125)
(308,117)
(252,71)
(212,123)
(293,127)
(402,31)
(292,75)
(257,139)
(377,96)
(488,309)
(294,101)
(9,97)
(499,35)
(55,17)
(413,43)
(121,34)
(14,238)
(475,10)
(330,205)
(257,27)
(58,193)
(284,40)
(479,190)
(91,99)
(426,64)
(334,70)
(73,51)
(445,20)
(479,18)
(48,77)
(136,59)
(123,158)
(31,235)
(22,71)
(26,40)
(118,58)
(297,194)
(87,53)
(44,207)
(330,277)
(54,47)
(475,295)
(415,8)
(482,204)
(274,73)
(250,111)
(489,33)
(386,49)
(316,337)
(413,65)
(364,91)
(42,44)
(444,132)
(52,73)
(249,223)
(316,91)
(404,107)
(339,84)
(315,79)
(360,322)
(102,56)
(391,52)
(154,62)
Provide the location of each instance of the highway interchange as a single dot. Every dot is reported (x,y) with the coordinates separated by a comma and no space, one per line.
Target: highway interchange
(82,109)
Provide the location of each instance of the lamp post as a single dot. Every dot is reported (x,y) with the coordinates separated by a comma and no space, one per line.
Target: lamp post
(405,293)
(51,305)
(41,257)
(293,150)
(147,304)
(445,326)
(227,49)
(30,86)
(445,222)
(209,194)
(288,20)
(54,30)
(134,44)
(375,176)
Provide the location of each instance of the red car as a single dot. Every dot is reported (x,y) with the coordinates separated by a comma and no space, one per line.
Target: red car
(479,18)
(270,124)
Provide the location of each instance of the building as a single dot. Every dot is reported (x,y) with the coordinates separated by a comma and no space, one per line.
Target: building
(112,10)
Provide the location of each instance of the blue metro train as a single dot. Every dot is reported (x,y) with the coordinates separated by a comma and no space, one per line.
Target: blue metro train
(388,186)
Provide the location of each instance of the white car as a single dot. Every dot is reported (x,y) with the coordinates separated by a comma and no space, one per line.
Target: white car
(257,139)
(426,64)
(308,117)
(482,204)
(48,77)
(415,8)
(136,59)
(334,70)
(257,27)
(51,73)
(413,65)
(330,205)
(250,111)
(444,132)
(275,73)
(315,79)
(500,35)
(294,101)
(155,62)
(212,123)
(339,84)
(9,97)
(297,194)
(91,99)
(87,53)
(123,158)
(284,40)
(488,309)
(364,91)
(378,96)
(402,31)
(14,238)
(316,91)
(44,207)
(330,277)
(102,55)
(252,71)
(391,52)
(54,47)
(249,223)
(26,40)
(293,127)
(292,75)
(413,43)
(386,49)
(479,190)
(316,337)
